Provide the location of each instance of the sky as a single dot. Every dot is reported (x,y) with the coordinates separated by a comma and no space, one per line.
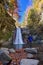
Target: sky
(23,4)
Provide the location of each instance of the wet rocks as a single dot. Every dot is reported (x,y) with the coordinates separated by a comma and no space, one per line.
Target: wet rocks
(29,62)
(12,50)
(31,50)
(7,51)
(29,55)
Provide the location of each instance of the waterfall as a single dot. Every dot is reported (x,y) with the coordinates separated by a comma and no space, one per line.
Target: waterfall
(18,40)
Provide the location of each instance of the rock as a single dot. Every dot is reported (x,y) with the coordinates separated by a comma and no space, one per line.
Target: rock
(1,41)
(31,50)
(1,52)
(40,56)
(5,58)
(12,50)
(29,62)
(41,41)
(29,55)
(5,50)
(10,39)
(34,37)
(6,43)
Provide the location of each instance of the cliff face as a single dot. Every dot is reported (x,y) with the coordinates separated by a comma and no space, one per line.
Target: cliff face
(7,24)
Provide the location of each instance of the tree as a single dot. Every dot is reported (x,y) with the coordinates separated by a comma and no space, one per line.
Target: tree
(33,20)
(7,24)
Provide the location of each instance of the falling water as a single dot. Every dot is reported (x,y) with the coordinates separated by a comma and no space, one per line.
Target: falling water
(18,40)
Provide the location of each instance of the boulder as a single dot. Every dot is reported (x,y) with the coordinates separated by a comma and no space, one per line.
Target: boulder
(12,50)
(29,62)
(31,50)
(29,55)
(5,50)
(5,58)
(41,41)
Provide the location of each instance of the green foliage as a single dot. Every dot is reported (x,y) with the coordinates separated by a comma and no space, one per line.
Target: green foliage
(2,11)
(33,20)
(34,16)
(7,24)
(7,36)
